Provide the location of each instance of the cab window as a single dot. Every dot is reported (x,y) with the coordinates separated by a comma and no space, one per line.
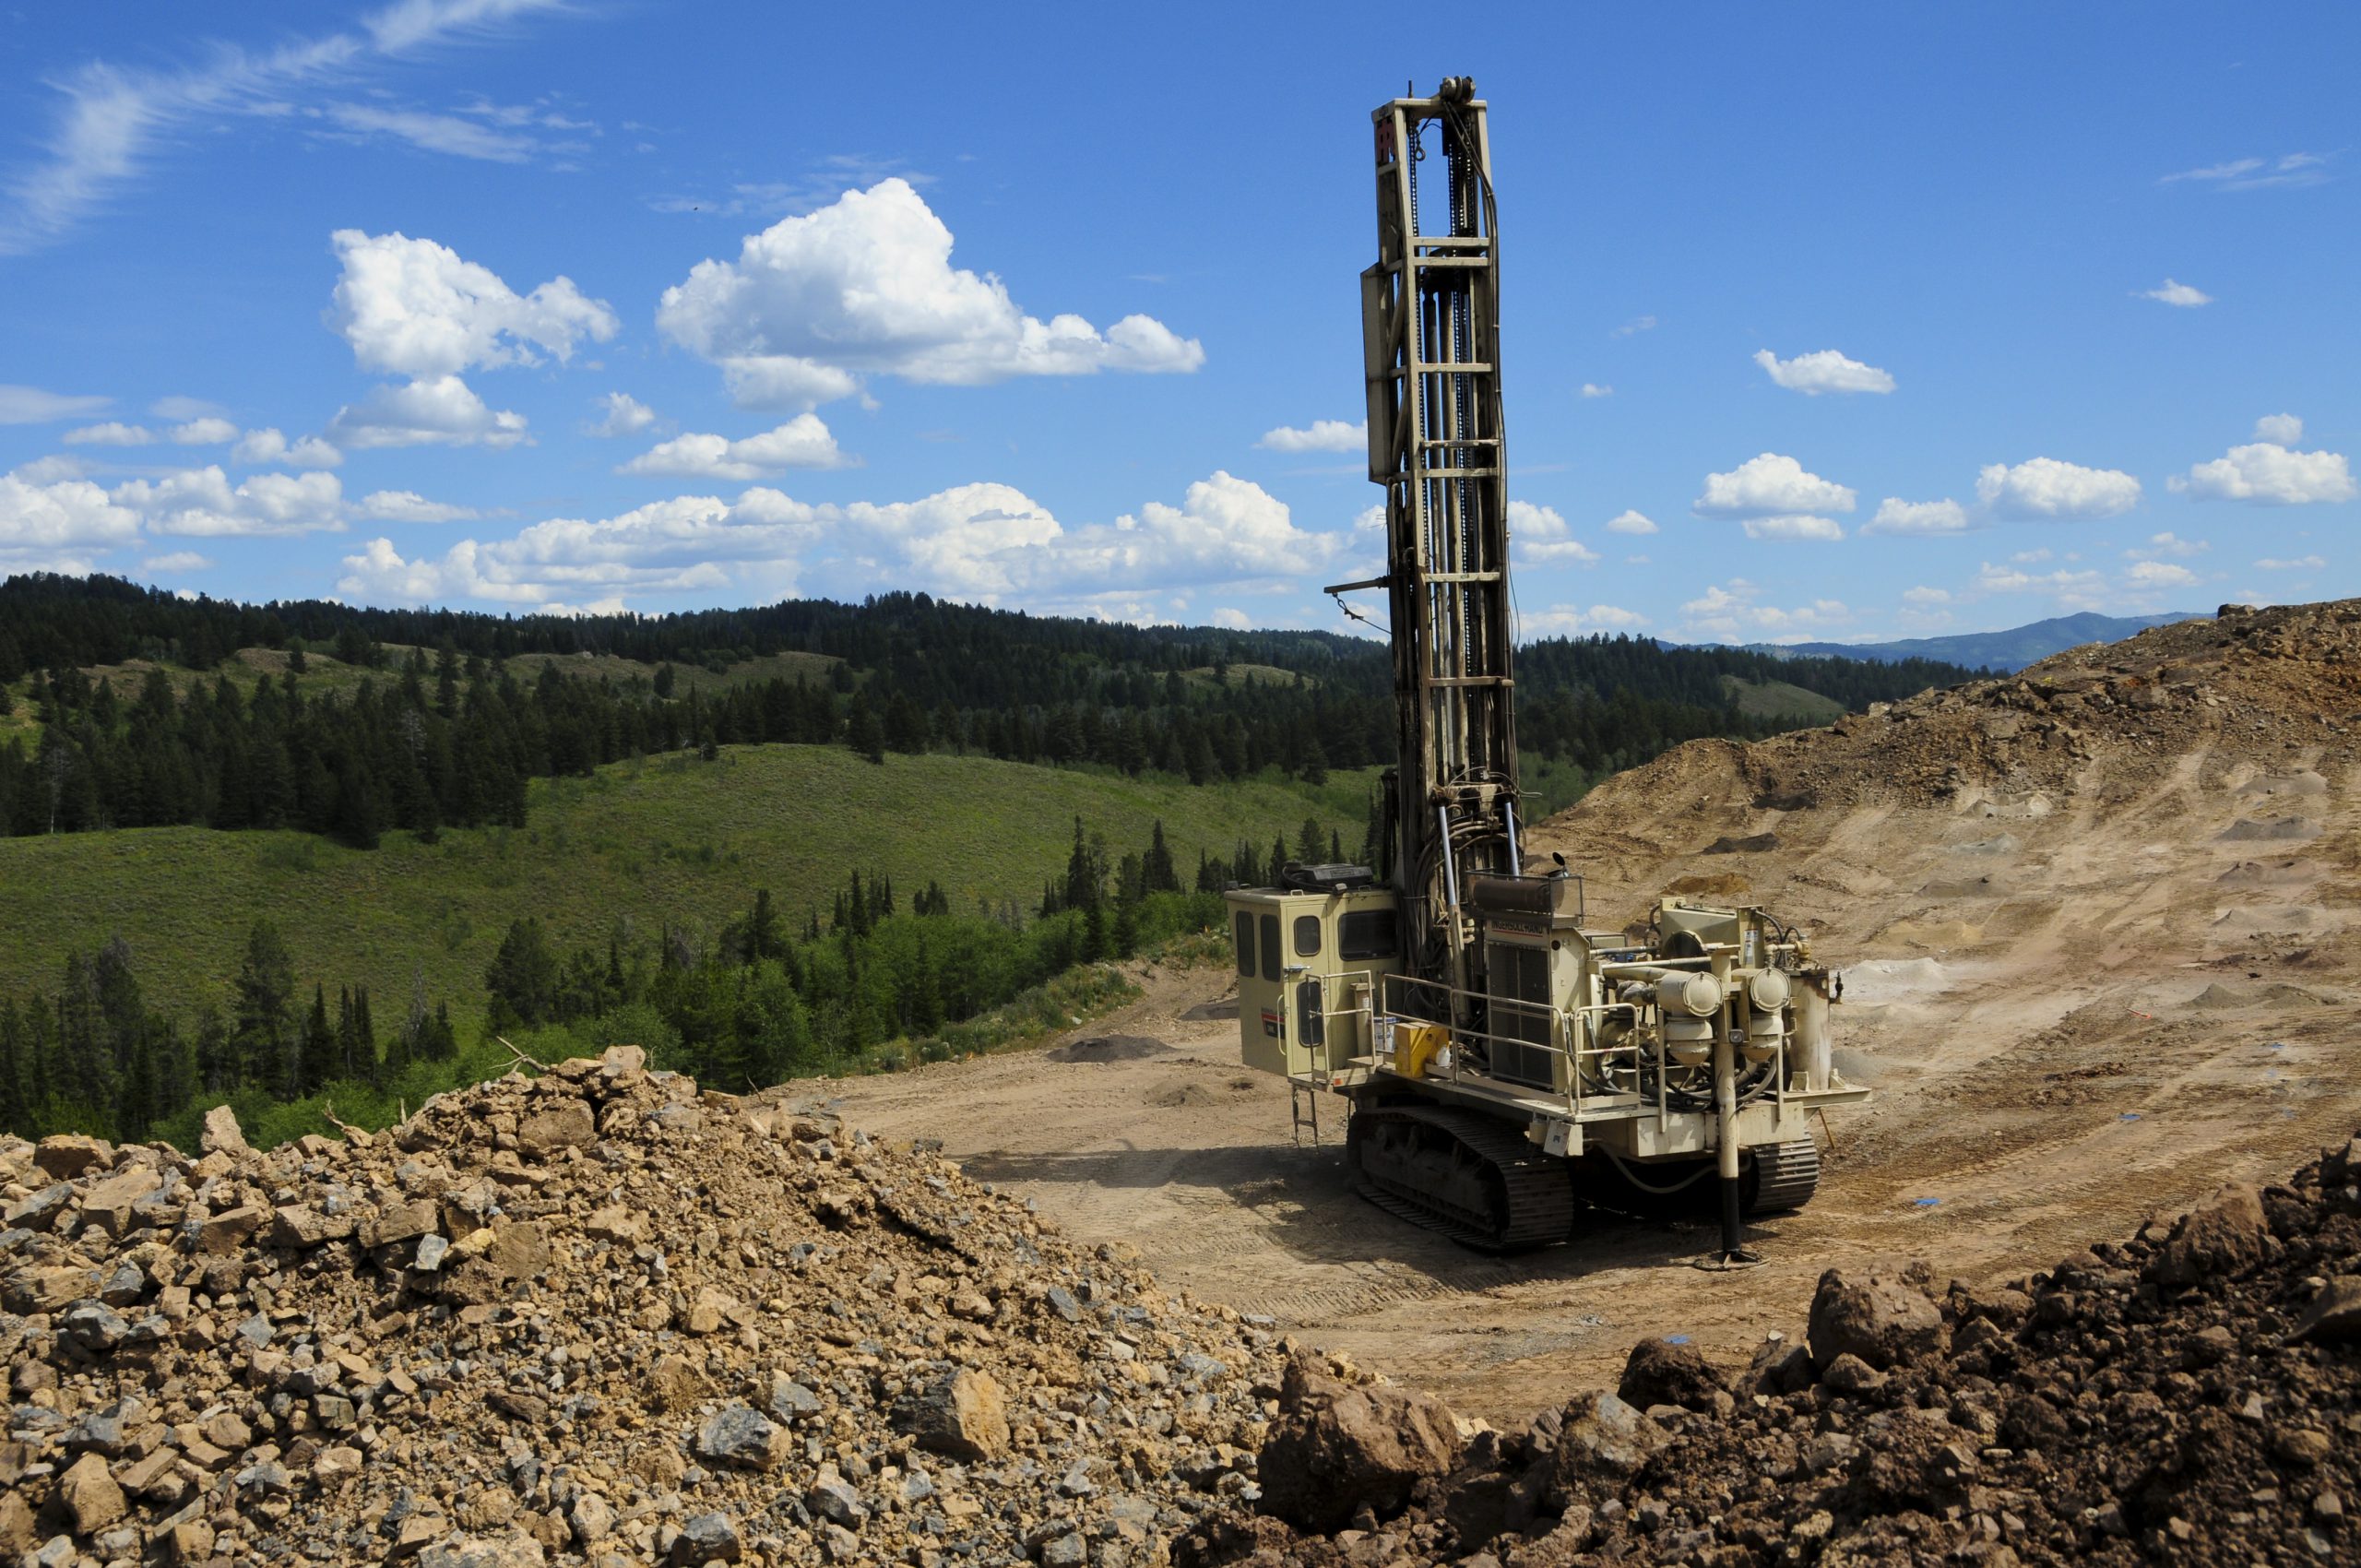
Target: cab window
(1367,933)
(1245,943)
(1306,936)
(1271,956)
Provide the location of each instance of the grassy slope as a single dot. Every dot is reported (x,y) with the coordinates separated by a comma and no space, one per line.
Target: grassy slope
(1777,699)
(668,839)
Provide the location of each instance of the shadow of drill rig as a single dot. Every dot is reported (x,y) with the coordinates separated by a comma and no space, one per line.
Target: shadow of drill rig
(1304,1200)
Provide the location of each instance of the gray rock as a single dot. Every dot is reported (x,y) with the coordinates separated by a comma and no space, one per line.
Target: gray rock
(101,1430)
(93,1327)
(708,1537)
(834,1500)
(791,1399)
(1068,1550)
(432,1251)
(40,1210)
(742,1438)
(1061,1301)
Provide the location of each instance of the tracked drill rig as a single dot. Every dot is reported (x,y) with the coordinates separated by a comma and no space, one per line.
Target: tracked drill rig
(1505,1064)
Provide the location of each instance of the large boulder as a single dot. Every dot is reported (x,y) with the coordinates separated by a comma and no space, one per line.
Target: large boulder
(2226,1235)
(1883,1318)
(964,1415)
(221,1133)
(1661,1372)
(741,1438)
(1602,1437)
(2334,1315)
(1335,1449)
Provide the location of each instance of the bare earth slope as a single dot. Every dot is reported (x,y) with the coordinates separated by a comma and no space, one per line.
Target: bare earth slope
(2096,925)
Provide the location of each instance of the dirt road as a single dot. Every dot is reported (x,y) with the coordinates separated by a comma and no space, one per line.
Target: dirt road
(2084,995)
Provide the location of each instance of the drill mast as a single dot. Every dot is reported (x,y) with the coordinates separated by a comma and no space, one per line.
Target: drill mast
(1431,333)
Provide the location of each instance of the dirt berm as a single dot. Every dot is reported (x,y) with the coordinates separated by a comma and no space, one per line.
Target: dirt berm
(2187,1395)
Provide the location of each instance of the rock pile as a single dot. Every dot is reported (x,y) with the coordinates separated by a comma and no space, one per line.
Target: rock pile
(592,1316)
(2192,1394)
(2271,680)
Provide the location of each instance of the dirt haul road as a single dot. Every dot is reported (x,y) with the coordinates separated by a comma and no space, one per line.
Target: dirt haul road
(2097,926)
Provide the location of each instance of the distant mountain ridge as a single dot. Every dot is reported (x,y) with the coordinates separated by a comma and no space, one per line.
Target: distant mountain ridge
(2008,650)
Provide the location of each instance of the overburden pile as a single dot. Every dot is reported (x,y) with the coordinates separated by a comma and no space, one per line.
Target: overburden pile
(2191,1395)
(593,1316)
(2261,681)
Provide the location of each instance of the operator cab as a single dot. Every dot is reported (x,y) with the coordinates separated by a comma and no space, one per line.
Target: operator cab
(1312,956)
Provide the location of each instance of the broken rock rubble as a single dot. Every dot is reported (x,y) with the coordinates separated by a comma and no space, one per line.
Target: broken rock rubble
(2191,1395)
(595,1316)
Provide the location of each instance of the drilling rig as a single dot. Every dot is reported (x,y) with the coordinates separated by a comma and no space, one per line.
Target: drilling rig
(1505,1064)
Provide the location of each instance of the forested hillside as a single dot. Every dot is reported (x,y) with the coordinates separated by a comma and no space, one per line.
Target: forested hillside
(124,707)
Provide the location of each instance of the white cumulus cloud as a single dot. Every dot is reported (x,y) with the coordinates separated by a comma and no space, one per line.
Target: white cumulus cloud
(2270,474)
(1735,611)
(1628,521)
(865,287)
(979,542)
(1573,620)
(1896,516)
(210,430)
(59,526)
(2159,574)
(414,307)
(2284,430)
(2298,564)
(115,432)
(2045,487)
(1770,485)
(2169,292)
(803,442)
(1539,535)
(1595,389)
(410,507)
(176,561)
(431,411)
(1789,528)
(623,415)
(1324,436)
(260,449)
(1826,371)
(2161,545)
(202,502)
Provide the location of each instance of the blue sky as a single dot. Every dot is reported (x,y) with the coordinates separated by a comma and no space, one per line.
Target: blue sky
(1820,321)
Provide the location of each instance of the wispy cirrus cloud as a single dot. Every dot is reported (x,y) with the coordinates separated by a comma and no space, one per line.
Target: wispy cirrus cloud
(113,118)
(2257,173)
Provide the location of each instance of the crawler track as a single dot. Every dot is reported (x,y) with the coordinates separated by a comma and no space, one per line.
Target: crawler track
(1465,1175)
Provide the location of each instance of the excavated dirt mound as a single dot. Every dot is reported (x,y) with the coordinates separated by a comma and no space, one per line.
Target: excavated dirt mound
(601,1317)
(2192,1394)
(1108,1048)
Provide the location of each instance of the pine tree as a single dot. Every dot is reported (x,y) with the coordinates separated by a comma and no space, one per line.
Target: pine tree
(522,979)
(15,1103)
(863,734)
(1162,877)
(216,1053)
(763,939)
(318,1051)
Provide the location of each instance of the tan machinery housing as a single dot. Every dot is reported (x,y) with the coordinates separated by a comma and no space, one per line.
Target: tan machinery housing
(1503,1060)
